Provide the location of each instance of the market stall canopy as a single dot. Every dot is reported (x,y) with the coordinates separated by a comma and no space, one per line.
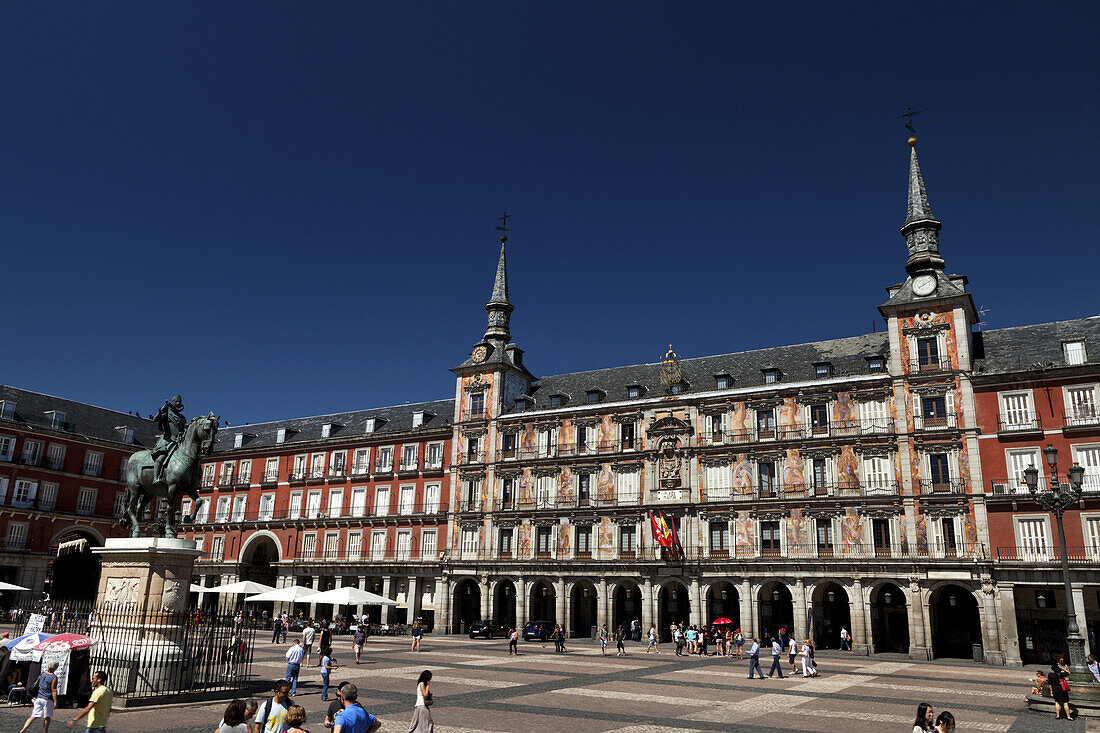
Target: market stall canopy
(64,643)
(11,586)
(721,622)
(351,596)
(290,594)
(23,647)
(244,586)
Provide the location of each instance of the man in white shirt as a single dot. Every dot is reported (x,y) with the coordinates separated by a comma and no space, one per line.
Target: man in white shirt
(307,640)
(294,658)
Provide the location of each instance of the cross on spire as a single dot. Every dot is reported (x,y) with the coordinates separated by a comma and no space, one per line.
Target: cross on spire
(910,113)
(503,228)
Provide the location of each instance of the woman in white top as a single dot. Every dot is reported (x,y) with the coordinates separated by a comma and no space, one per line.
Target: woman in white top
(807,663)
(652,640)
(422,718)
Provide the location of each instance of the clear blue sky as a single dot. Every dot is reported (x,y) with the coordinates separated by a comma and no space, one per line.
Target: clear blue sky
(284,209)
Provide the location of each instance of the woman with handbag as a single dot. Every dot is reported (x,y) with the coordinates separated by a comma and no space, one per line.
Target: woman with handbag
(422,718)
(1059,690)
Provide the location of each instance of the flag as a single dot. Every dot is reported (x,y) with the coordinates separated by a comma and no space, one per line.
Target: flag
(660,531)
(675,536)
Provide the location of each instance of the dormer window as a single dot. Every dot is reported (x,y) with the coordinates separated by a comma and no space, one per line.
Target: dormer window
(418,418)
(557,401)
(125,434)
(876,364)
(1075,352)
(238,440)
(771,376)
(371,424)
(676,388)
(523,404)
(7,409)
(635,391)
(822,370)
(280,436)
(326,430)
(723,381)
(57,419)
(594,396)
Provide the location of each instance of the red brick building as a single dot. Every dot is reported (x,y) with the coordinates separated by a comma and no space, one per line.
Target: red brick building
(62,466)
(356,498)
(1045,390)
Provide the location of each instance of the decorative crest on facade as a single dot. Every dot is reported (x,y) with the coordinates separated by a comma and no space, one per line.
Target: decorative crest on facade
(671,373)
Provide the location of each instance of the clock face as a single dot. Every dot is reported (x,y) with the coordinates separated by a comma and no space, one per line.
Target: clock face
(924,284)
(479,353)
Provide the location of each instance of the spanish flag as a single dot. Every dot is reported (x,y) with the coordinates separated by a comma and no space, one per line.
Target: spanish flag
(661,532)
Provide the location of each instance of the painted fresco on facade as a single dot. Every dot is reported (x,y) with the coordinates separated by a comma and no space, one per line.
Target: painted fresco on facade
(907,320)
(605,484)
(606,535)
(607,433)
(487,390)
(526,488)
(527,439)
(797,534)
(851,530)
(523,539)
(565,437)
(794,476)
(565,486)
(742,475)
(914,468)
(788,416)
(922,535)
(485,495)
(743,535)
(847,468)
(563,540)
(845,410)
(741,422)
(970,531)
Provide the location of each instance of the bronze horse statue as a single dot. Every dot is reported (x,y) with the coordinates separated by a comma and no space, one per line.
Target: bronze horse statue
(181,474)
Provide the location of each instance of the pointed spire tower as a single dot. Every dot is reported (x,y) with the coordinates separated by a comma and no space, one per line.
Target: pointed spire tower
(499,307)
(921,229)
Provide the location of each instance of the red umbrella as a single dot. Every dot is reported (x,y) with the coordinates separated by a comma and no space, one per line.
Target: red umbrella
(720,621)
(64,643)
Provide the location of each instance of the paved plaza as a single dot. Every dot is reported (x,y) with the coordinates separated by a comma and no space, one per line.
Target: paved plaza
(478,688)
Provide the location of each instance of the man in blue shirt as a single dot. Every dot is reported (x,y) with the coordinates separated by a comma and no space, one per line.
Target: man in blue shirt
(294,665)
(754,659)
(353,718)
(776,666)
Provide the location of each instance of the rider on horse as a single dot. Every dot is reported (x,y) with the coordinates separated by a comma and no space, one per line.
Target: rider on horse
(172,423)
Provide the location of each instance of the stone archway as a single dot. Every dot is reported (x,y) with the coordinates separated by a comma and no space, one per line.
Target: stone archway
(504,604)
(74,570)
(673,606)
(956,622)
(723,601)
(543,602)
(583,602)
(626,605)
(466,605)
(776,610)
(831,612)
(889,619)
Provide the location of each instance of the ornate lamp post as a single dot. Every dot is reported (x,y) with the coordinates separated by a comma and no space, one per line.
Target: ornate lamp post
(1056,500)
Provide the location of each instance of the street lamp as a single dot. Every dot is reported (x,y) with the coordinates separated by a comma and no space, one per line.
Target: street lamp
(1056,500)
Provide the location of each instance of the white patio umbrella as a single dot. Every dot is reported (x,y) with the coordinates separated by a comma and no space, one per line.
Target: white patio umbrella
(351,596)
(11,586)
(290,594)
(198,588)
(242,586)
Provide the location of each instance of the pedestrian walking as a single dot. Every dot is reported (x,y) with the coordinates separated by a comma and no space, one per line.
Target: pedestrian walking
(652,641)
(777,666)
(294,657)
(327,665)
(792,654)
(620,650)
(635,630)
(308,634)
(739,642)
(1059,690)
(45,699)
(234,719)
(754,659)
(845,640)
(98,708)
(559,639)
(357,640)
(354,718)
(679,639)
(513,642)
(417,632)
(945,722)
(326,636)
(808,667)
(422,717)
(271,717)
(276,629)
(603,640)
(295,716)
(925,720)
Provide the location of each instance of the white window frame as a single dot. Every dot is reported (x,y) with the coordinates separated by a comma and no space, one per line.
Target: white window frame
(55,456)
(271,469)
(221,513)
(294,507)
(15,536)
(719,481)
(403,546)
(309,545)
(24,493)
(7,447)
(384,459)
(405,465)
(47,496)
(1082,413)
(360,465)
(1074,352)
(313,503)
(120,504)
(355,544)
(432,493)
(358,506)
(378,544)
(1090,533)
(217,547)
(240,507)
(1025,545)
(93,463)
(433,447)
(336,502)
(32,452)
(429,548)
(267,506)
(1014,417)
(244,473)
(382,501)
(1092,470)
(331,547)
(85,500)
(406,491)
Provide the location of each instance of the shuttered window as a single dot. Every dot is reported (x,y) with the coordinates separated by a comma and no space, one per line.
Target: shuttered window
(1016,410)
(1031,537)
(1088,456)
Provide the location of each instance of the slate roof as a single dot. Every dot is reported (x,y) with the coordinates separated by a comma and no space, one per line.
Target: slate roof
(81,419)
(306,430)
(846,356)
(1024,347)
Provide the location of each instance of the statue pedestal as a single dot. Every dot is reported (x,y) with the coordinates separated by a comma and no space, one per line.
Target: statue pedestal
(140,619)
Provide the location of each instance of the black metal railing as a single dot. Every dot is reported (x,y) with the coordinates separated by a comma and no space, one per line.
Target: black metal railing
(943,486)
(930,364)
(1081,417)
(1019,422)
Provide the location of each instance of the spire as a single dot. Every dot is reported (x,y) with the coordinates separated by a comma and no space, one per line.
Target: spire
(499,307)
(921,228)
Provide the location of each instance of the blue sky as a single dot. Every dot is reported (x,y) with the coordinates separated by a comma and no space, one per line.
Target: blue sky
(284,209)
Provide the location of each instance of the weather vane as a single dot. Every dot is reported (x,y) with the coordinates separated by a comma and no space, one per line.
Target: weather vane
(503,228)
(910,113)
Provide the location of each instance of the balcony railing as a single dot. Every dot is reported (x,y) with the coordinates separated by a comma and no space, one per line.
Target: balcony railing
(1019,422)
(474,415)
(285,513)
(1081,417)
(832,429)
(840,552)
(271,477)
(949,486)
(934,422)
(777,490)
(930,364)
(337,472)
(1080,554)
(1018,487)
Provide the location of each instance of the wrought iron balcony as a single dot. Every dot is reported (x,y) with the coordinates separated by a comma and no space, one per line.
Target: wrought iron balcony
(1081,417)
(1019,423)
(926,423)
(930,364)
(943,486)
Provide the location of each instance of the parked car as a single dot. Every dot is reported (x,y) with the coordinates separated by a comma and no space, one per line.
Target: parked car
(486,630)
(537,630)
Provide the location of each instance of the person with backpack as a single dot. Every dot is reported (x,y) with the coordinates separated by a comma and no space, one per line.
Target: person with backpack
(271,717)
(45,699)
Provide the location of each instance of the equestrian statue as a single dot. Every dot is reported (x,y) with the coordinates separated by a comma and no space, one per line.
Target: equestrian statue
(170,468)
